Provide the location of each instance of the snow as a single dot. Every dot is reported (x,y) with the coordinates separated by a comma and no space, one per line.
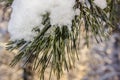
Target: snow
(27,14)
(77,11)
(63,13)
(101,3)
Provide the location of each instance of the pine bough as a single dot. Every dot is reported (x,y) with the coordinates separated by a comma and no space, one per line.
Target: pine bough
(56,46)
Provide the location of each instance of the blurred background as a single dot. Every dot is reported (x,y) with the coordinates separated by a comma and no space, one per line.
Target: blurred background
(6,72)
(101,61)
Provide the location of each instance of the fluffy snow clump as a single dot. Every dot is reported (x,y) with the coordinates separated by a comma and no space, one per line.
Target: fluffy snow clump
(27,14)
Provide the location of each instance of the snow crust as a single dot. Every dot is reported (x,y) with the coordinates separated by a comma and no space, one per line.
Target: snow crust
(27,14)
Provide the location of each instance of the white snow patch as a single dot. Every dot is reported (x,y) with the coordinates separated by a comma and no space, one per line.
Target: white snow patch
(101,3)
(77,11)
(27,14)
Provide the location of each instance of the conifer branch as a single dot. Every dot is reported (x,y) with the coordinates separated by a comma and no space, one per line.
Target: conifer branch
(57,47)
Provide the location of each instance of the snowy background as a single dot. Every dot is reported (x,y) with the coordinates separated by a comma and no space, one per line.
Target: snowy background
(6,72)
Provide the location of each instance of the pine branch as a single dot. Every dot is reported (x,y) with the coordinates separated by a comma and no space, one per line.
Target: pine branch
(57,47)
